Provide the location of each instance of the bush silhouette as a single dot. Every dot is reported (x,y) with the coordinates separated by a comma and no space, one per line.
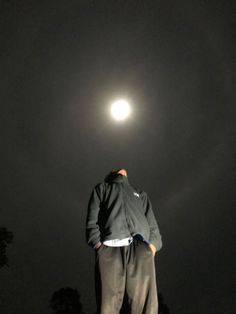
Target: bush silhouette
(66,301)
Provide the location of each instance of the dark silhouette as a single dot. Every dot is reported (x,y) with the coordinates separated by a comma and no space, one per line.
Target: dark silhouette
(5,239)
(162,307)
(66,301)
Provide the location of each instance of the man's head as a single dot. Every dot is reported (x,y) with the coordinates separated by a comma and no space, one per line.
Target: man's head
(113,174)
(123,172)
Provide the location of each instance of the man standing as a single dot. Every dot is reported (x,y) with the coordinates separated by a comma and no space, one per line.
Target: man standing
(122,229)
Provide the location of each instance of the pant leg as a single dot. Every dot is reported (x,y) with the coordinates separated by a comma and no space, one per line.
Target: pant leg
(111,278)
(141,279)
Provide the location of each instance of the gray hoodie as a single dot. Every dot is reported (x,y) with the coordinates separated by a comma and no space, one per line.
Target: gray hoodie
(116,211)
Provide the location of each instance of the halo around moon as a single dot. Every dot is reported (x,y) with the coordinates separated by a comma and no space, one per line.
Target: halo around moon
(120,110)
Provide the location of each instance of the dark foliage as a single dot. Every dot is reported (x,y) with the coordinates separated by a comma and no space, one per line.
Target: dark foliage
(66,301)
(5,239)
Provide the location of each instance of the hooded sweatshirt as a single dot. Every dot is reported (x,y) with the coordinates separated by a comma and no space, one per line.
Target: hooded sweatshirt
(116,211)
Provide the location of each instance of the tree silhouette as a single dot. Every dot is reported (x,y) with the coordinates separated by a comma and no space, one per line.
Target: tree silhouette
(162,307)
(5,239)
(66,301)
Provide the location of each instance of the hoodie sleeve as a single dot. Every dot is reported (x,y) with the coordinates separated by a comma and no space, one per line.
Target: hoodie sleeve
(155,236)
(92,227)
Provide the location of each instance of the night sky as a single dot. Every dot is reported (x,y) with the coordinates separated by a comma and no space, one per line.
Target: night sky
(62,64)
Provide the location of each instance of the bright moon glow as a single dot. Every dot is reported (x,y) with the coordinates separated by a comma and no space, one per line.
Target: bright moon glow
(120,110)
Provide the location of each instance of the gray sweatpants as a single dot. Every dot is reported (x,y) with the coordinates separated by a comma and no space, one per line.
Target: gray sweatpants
(125,280)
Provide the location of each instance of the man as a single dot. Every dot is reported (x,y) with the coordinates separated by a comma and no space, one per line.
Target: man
(122,229)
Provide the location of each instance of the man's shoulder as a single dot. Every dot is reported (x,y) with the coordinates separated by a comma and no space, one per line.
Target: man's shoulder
(101,186)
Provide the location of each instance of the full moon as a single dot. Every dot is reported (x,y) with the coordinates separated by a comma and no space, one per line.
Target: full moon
(120,110)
